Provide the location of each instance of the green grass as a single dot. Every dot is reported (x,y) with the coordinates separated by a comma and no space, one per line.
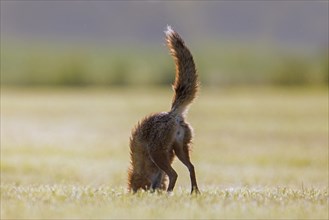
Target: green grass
(76,201)
(258,153)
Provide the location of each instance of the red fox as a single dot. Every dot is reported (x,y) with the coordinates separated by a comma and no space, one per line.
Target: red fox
(156,139)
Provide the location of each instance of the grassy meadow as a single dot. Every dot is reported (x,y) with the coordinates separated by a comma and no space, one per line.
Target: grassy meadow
(259,152)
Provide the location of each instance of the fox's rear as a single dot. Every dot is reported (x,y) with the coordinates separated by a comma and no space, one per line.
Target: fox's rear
(159,137)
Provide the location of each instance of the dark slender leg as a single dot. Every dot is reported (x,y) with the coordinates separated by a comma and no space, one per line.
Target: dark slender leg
(182,153)
(162,160)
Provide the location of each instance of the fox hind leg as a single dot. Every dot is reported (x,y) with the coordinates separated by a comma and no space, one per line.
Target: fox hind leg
(162,160)
(182,152)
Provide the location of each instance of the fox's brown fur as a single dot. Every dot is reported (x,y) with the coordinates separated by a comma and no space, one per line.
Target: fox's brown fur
(159,137)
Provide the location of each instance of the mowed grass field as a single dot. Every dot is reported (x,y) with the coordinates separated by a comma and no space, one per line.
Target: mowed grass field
(258,153)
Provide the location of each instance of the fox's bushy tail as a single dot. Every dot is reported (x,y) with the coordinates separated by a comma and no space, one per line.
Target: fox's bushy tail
(186,80)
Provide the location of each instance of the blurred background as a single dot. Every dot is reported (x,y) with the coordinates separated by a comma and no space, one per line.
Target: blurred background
(77,75)
(106,43)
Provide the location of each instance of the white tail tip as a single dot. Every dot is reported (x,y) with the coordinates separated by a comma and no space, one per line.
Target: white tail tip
(169,30)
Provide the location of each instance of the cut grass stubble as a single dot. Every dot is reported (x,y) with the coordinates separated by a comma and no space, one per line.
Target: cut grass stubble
(74,201)
(258,153)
